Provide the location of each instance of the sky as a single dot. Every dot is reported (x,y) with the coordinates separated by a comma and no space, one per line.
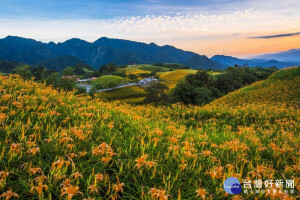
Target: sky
(241,28)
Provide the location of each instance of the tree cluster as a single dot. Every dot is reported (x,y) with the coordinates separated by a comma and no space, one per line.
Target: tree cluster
(202,87)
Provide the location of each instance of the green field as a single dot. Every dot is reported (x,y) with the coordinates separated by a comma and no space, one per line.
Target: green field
(174,77)
(152,68)
(122,93)
(108,81)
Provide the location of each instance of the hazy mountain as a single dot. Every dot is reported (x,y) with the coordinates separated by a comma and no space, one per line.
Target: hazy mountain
(292,55)
(98,53)
(231,61)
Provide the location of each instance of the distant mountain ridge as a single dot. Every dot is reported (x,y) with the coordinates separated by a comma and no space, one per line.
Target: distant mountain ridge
(292,55)
(98,53)
(225,61)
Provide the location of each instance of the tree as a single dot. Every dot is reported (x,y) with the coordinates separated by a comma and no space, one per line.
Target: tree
(145,75)
(120,73)
(156,92)
(23,71)
(108,69)
(39,72)
(69,71)
(53,79)
(132,77)
(66,84)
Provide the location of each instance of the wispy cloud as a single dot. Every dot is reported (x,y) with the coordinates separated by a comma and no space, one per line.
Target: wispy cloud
(149,28)
(275,36)
(196,28)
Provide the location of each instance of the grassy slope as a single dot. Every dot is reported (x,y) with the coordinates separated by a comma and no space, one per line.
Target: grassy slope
(154,68)
(109,81)
(133,71)
(122,93)
(192,147)
(173,77)
(283,87)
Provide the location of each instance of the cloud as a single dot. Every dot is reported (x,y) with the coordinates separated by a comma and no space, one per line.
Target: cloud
(275,36)
(194,31)
(150,28)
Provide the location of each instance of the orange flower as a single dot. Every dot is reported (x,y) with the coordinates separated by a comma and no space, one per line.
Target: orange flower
(141,161)
(70,191)
(35,170)
(2,117)
(93,189)
(81,154)
(3,174)
(39,188)
(76,175)
(150,164)
(158,194)
(118,187)
(33,150)
(155,140)
(106,159)
(110,125)
(66,183)
(16,148)
(9,194)
(201,193)
(99,177)
(59,164)
(40,179)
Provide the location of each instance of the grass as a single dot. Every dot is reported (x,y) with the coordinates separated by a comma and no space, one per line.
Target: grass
(123,93)
(174,77)
(56,144)
(280,88)
(134,71)
(214,73)
(135,101)
(152,68)
(109,81)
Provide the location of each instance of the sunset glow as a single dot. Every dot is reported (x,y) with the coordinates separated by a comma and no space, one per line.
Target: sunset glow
(205,27)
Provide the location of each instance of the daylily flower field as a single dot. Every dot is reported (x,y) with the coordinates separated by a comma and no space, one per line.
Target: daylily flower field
(58,145)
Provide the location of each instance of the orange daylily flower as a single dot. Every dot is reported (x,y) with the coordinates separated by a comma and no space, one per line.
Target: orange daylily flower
(66,183)
(99,177)
(93,189)
(33,150)
(59,164)
(201,193)
(158,194)
(118,187)
(76,175)
(9,194)
(39,188)
(70,191)
(35,170)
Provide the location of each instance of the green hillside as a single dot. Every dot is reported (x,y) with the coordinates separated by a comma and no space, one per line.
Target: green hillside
(125,94)
(281,88)
(108,81)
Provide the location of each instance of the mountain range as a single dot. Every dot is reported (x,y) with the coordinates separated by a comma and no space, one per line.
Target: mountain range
(101,52)
(57,56)
(292,55)
(225,61)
